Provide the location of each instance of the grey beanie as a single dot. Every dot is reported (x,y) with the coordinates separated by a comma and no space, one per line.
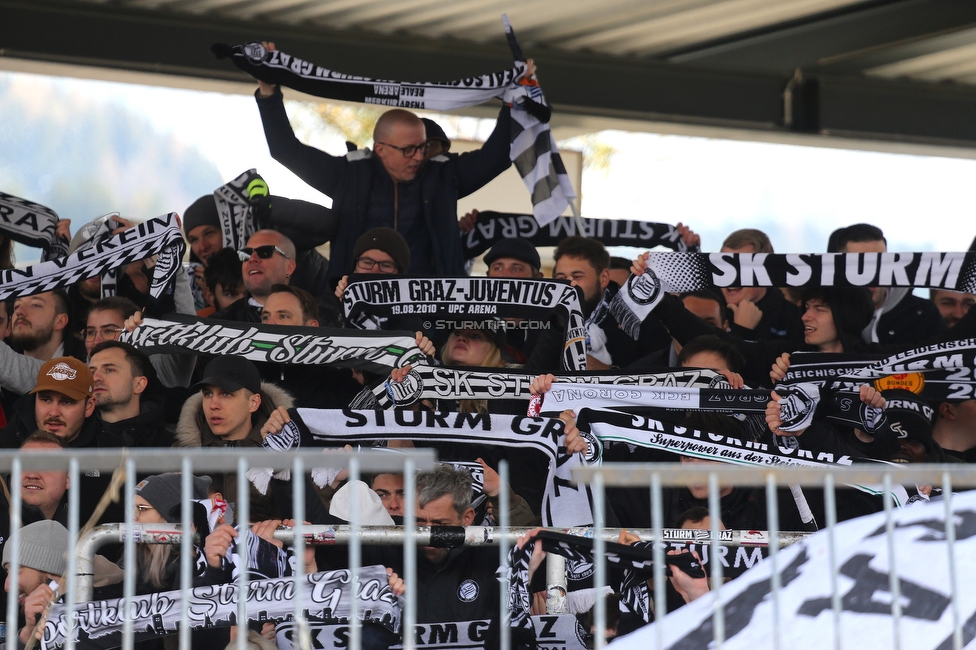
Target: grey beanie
(162,491)
(43,547)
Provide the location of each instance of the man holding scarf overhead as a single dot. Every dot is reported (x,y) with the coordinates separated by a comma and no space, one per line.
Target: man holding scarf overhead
(395,185)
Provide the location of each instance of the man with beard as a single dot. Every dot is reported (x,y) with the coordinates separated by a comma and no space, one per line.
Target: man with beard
(586,263)
(39,332)
(129,417)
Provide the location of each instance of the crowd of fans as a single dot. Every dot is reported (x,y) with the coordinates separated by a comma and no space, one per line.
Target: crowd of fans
(69,383)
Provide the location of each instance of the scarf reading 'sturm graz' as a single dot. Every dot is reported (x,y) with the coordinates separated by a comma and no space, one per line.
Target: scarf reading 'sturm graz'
(564,502)
(492,227)
(441,382)
(375,351)
(31,224)
(447,304)
(158,236)
(533,149)
(327,596)
(677,272)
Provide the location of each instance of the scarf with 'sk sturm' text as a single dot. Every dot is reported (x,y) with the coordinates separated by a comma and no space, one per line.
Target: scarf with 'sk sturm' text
(678,272)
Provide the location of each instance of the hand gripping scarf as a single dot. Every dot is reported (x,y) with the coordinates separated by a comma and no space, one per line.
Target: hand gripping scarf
(564,503)
(327,596)
(441,382)
(677,272)
(492,227)
(158,236)
(636,561)
(533,149)
(234,209)
(31,224)
(448,303)
(374,351)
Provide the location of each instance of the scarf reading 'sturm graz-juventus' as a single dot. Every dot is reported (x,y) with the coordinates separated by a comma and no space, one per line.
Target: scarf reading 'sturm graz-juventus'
(564,503)
(677,272)
(178,334)
(158,236)
(533,149)
(442,382)
(643,431)
(447,304)
(327,596)
(31,224)
(492,227)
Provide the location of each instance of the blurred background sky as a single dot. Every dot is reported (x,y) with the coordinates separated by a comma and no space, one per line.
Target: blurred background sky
(84,148)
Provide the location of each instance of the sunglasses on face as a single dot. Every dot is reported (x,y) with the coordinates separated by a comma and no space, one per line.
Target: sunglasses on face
(264,252)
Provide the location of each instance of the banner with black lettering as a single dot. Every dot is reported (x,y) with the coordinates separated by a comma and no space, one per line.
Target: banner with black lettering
(644,431)
(564,503)
(443,382)
(327,597)
(31,224)
(492,227)
(445,304)
(678,272)
(854,556)
(375,351)
(159,236)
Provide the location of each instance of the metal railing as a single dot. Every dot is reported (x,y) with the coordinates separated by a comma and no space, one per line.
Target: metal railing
(651,477)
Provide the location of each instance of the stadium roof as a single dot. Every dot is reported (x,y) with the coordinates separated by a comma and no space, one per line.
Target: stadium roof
(896,74)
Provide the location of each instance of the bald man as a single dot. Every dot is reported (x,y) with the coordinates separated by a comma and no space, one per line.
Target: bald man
(267,260)
(395,185)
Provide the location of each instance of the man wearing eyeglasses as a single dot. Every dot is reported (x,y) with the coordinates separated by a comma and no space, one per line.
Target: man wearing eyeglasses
(267,260)
(396,185)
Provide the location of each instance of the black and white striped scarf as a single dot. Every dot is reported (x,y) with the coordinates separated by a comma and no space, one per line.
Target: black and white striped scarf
(635,560)
(445,304)
(533,149)
(442,382)
(234,208)
(31,224)
(374,351)
(564,503)
(492,227)
(677,272)
(159,236)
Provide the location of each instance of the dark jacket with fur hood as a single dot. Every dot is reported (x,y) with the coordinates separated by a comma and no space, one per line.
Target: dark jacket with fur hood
(192,430)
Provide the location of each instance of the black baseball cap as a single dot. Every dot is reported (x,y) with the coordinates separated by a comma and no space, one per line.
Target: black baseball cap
(231,373)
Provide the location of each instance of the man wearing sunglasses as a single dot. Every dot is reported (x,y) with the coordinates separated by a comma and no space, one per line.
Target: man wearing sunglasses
(395,185)
(267,260)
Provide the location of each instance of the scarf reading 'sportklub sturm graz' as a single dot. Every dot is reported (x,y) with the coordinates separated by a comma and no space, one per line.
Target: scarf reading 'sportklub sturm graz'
(678,272)
(533,149)
(158,236)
